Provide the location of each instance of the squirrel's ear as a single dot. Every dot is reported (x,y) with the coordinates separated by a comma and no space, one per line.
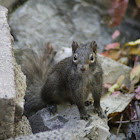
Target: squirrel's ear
(74,46)
(93,45)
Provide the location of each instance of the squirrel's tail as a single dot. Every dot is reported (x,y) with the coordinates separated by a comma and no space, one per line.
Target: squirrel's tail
(36,67)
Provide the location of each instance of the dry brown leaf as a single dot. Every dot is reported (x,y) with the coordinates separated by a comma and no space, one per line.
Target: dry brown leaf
(137,90)
(135,73)
(132,43)
(113,54)
(120,80)
(131,48)
(116,86)
(116,104)
(115,45)
(138,3)
(115,34)
(117,11)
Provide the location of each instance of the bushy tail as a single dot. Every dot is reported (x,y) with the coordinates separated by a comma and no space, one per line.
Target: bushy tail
(36,67)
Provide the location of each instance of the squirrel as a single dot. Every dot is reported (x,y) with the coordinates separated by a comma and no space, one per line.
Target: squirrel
(70,80)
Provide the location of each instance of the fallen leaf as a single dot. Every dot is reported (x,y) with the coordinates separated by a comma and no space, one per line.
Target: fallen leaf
(116,104)
(113,88)
(134,77)
(116,93)
(132,43)
(107,85)
(134,50)
(113,46)
(138,3)
(124,88)
(137,90)
(115,34)
(131,48)
(133,83)
(120,80)
(105,54)
(132,112)
(117,85)
(123,60)
(137,96)
(113,54)
(135,73)
(117,11)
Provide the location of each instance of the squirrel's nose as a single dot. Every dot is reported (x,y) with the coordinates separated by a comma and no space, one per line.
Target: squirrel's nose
(82,69)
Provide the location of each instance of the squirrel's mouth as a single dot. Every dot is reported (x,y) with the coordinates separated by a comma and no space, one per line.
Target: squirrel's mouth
(83,72)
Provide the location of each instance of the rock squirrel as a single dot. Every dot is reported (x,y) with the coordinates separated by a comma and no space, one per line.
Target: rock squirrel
(71,80)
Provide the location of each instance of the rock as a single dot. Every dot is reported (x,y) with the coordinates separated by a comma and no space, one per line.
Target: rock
(36,121)
(20,87)
(50,135)
(121,136)
(112,69)
(61,22)
(7,88)
(132,130)
(12,81)
(8,3)
(67,122)
(57,22)
(103,3)
(22,127)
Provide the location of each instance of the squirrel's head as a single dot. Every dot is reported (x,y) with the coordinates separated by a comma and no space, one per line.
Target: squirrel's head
(84,55)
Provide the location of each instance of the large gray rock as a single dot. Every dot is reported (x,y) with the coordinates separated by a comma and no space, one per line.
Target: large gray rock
(50,135)
(58,22)
(62,21)
(106,4)
(12,81)
(8,3)
(66,124)
(113,70)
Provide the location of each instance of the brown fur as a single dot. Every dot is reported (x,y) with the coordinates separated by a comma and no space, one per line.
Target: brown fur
(71,80)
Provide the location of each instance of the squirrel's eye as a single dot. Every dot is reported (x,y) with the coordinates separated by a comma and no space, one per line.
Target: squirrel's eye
(75,58)
(91,58)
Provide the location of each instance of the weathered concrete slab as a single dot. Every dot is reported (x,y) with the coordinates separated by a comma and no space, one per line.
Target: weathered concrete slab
(7,84)
(22,127)
(20,87)
(12,81)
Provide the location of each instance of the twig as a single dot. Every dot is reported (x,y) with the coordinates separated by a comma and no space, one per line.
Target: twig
(137,106)
(110,119)
(131,96)
(119,126)
(127,121)
(136,60)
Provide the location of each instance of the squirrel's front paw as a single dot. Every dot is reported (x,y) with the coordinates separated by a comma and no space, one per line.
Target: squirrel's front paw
(85,116)
(52,109)
(100,112)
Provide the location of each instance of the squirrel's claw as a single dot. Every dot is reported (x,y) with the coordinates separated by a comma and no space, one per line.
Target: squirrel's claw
(52,109)
(85,117)
(100,112)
